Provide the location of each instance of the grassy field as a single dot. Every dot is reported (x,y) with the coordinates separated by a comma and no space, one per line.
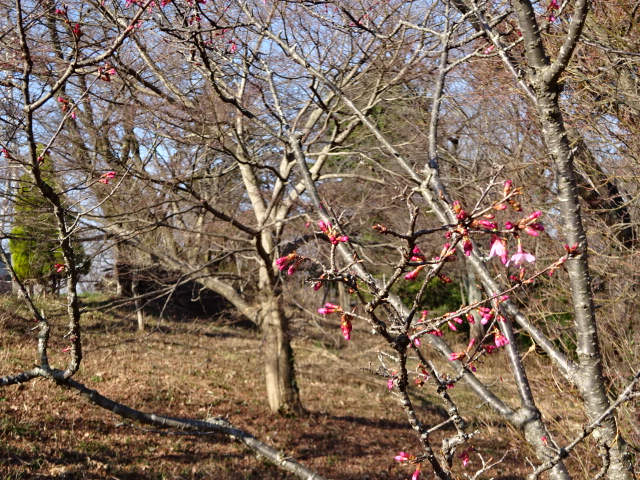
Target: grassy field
(198,368)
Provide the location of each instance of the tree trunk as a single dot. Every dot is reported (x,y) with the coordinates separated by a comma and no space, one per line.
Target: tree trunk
(590,380)
(282,389)
(122,271)
(135,283)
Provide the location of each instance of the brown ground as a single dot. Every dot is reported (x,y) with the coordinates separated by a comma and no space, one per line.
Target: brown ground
(198,369)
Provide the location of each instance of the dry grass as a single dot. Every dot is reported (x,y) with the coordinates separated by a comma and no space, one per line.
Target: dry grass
(197,369)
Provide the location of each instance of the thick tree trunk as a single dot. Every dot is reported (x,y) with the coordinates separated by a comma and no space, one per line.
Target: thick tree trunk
(590,379)
(282,389)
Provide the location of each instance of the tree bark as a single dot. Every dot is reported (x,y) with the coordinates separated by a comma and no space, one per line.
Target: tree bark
(590,379)
(282,388)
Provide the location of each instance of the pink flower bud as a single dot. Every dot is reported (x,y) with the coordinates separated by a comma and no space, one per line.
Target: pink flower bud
(488,224)
(413,274)
(456,356)
(329,308)
(416,474)
(346,327)
(402,457)
(489,348)
(467,247)
(464,457)
(417,255)
(346,333)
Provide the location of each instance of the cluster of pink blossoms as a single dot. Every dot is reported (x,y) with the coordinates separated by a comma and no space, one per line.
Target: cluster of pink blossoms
(529,225)
(291,261)
(333,234)
(498,248)
(554,6)
(105,177)
(345,319)
(447,253)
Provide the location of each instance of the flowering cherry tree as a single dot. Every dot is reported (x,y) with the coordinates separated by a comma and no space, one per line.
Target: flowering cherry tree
(160,112)
(539,79)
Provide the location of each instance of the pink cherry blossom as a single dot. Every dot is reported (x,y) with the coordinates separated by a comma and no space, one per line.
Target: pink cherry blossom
(498,248)
(521,256)
(500,340)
